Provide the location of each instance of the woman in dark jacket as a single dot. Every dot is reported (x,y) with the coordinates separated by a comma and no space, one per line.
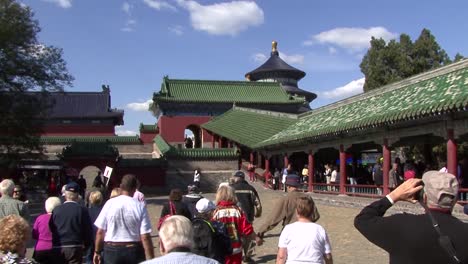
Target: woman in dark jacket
(175,197)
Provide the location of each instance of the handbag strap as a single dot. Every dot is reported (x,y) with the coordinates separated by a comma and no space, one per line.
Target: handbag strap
(172,208)
(444,240)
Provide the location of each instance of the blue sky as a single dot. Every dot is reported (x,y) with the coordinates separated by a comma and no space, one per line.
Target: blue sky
(132,44)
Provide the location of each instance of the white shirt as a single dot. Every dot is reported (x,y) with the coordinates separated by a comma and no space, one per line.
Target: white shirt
(305,242)
(124,219)
(196,177)
(139,196)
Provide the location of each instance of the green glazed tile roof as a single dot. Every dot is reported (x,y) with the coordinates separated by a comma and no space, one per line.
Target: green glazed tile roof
(193,91)
(204,154)
(197,153)
(432,93)
(162,144)
(93,139)
(127,163)
(148,128)
(248,126)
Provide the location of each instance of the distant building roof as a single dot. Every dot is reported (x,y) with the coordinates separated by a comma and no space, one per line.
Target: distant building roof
(277,69)
(84,105)
(209,91)
(275,64)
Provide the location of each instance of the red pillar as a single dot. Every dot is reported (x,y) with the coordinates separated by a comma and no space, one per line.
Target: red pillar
(386,166)
(310,167)
(220,142)
(213,141)
(267,171)
(252,157)
(451,153)
(342,170)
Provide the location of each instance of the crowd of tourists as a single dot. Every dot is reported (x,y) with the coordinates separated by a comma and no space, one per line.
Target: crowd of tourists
(80,226)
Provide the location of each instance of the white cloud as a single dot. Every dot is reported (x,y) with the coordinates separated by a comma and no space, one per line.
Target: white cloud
(332,50)
(228,18)
(139,107)
(121,131)
(158,4)
(259,57)
(129,25)
(290,59)
(61,3)
(352,88)
(353,39)
(126,8)
(177,29)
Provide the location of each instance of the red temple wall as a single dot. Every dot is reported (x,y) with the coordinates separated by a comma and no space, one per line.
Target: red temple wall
(147,138)
(172,128)
(85,130)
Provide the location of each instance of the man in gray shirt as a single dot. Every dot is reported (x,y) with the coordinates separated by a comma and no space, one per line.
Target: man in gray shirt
(9,205)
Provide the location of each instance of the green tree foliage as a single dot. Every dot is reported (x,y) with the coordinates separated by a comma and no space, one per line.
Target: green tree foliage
(28,71)
(386,63)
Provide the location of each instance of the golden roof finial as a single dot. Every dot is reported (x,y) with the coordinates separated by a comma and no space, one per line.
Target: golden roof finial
(274,46)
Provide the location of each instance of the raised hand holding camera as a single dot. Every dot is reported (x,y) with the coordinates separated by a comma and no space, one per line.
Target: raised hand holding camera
(407,191)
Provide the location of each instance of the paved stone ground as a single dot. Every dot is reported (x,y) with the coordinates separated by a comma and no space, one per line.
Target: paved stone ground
(347,244)
(337,216)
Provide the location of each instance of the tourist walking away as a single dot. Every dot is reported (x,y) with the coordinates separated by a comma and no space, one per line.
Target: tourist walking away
(52,187)
(394,176)
(176,242)
(285,174)
(82,183)
(124,228)
(9,205)
(14,235)
(305,174)
(284,209)
(335,177)
(377,175)
(175,206)
(43,252)
(235,220)
(304,241)
(251,171)
(327,174)
(248,199)
(196,178)
(95,207)
(433,237)
(210,237)
(191,199)
(276,179)
(138,195)
(98,185)
(71,227)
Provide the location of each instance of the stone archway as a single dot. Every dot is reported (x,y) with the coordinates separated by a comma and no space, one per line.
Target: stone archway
(197,135)
(89,173)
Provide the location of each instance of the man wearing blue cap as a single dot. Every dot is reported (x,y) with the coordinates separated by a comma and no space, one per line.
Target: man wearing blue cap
(71,227)
(285,208)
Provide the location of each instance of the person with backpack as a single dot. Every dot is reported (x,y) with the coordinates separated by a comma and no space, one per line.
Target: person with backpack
(210,237)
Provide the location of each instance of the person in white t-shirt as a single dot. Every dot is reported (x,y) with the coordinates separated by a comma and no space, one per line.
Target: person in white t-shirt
(304,241)
(124,228)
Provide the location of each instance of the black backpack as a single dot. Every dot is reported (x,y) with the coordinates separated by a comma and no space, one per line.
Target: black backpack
(209,241)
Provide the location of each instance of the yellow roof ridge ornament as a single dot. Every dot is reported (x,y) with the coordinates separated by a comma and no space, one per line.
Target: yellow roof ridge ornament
(274,46)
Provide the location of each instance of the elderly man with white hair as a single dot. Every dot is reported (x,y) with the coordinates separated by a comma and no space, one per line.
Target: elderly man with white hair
(176,241)
(9,205)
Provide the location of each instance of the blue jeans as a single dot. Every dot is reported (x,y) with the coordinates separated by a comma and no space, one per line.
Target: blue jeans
(123,254)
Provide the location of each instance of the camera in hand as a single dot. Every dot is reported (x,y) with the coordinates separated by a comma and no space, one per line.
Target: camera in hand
(419,194)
